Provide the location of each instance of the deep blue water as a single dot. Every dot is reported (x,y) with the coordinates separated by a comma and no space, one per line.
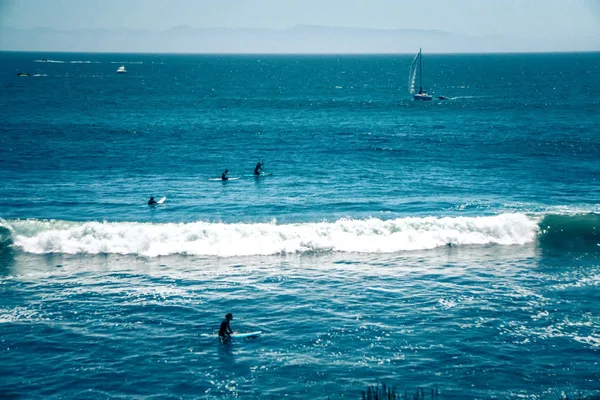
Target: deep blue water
(450,244)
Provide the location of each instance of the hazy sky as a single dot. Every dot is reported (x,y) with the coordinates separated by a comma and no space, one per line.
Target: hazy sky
(523,18)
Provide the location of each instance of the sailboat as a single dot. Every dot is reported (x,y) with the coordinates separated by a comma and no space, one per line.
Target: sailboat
(121,70)
(422,95)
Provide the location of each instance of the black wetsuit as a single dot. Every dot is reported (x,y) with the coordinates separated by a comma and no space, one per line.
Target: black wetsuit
(257,169)
(152,202)
(225,329)
(224,176)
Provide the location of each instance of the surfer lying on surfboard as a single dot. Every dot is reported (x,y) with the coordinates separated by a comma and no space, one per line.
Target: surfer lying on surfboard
(225,329)
(153,202)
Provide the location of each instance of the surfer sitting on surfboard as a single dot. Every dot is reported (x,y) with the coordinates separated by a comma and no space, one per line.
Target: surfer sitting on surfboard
(152,202)
(225,329)
(258,168)
(224,175)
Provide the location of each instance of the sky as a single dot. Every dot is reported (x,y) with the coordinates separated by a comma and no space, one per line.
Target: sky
(561,20)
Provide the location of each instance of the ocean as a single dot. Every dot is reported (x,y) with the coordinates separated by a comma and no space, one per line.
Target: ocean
(451,245)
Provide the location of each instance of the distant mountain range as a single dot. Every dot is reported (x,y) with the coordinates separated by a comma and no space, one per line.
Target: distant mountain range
(298,39)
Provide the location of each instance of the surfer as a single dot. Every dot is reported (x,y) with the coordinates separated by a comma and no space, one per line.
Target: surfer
(258,168)
(225,329)
(224,175)
(152,202)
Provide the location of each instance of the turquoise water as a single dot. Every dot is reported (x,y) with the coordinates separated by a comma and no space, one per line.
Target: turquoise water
(450,244)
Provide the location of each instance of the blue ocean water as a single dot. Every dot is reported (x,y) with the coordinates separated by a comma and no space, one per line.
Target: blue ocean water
(450,244)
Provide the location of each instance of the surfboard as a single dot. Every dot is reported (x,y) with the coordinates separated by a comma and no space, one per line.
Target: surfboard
(161,200)
(258,176)
(246,335)
(219,179)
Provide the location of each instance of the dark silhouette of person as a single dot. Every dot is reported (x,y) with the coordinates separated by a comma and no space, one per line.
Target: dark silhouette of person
(258,168)
(225,328)
(224,175)
(152,202)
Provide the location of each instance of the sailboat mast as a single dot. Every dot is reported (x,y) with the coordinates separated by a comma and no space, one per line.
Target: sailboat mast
(420,72)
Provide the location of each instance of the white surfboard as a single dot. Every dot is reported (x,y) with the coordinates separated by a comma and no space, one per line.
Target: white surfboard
(246,335)
(161,200)
(258,176)
(219,179)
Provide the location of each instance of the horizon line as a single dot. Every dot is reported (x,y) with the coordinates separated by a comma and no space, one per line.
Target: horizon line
(300,53)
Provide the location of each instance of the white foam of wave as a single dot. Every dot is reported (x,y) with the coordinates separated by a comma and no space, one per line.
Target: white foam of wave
(84,62)
(570,210)
(241,239)
(15,314)
(127,62)
(50,61)
(591,340)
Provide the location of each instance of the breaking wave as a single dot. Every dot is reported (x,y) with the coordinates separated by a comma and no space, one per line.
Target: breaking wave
(241,239)
(558,232)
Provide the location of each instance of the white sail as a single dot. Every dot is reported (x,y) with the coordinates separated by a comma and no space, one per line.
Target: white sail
(412,75)
(422,94)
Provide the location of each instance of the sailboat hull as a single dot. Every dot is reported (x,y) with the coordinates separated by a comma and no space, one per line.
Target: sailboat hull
(422,96)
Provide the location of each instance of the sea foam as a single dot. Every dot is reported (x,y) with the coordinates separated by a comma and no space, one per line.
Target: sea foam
(244,239)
